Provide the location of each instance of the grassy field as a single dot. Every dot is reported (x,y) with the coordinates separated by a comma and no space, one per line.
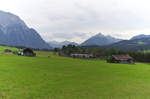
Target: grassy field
(48,76)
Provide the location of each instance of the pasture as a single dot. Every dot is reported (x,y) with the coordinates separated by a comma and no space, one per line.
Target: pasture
(49,76)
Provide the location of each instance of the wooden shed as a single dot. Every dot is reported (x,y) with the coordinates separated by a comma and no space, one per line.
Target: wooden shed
(124,59)
(28,52)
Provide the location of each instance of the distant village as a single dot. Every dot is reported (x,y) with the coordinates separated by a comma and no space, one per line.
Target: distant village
(24,52)
(111,55)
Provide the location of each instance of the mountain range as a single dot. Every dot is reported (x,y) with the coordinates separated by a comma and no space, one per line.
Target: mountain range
(14,32)
(139,42)
(55,44)
(99,40)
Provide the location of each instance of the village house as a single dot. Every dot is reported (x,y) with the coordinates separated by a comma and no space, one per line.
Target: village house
(28,52)
(123,59)
(82,56)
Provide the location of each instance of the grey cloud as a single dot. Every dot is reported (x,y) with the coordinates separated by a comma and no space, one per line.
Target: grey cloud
(70,19)
(87,18)
(70,35)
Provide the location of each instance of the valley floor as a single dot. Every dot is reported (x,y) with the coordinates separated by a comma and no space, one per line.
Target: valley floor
(54,77)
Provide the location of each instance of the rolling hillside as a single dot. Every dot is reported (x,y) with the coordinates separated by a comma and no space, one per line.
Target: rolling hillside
(135,44)
(141,36)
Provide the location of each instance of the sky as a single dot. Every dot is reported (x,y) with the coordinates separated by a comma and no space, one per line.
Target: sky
(77,20)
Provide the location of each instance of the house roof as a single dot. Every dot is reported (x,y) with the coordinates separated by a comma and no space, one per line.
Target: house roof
(27,50)
(122,57)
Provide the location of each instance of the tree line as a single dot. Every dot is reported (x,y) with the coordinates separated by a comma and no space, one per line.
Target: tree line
(103,53)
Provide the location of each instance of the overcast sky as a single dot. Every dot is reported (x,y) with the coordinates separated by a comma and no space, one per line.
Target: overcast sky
(76,20)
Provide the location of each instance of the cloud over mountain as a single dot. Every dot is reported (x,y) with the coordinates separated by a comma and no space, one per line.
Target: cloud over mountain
(50,17)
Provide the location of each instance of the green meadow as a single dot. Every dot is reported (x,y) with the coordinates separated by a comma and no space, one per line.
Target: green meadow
(49,76)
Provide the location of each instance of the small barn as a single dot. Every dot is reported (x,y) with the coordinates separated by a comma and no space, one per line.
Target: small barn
(123,59)
(8,50)
(28,52)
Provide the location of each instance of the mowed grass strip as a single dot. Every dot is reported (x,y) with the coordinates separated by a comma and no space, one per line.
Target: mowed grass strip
(65,78)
